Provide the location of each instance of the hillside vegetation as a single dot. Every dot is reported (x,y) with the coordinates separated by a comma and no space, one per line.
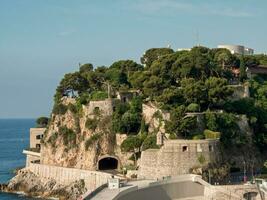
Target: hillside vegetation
(196,81)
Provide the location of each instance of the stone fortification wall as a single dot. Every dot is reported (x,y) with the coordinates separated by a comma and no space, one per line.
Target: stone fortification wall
(177,157)
(66,176)
(240,91)
(105,107)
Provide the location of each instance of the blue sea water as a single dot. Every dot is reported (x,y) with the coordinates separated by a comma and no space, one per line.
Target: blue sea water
(14,137)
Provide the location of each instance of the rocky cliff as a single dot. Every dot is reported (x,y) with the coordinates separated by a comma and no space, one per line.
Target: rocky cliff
(78,138)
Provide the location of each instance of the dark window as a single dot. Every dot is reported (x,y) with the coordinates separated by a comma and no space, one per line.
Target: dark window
(38,137)
(96,111)
(38,146)
(185,148)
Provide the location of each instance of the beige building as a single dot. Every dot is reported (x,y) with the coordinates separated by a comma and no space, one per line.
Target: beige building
(36,134)
(33,152)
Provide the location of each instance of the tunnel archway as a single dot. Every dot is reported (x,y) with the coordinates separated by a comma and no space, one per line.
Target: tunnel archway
(108,163)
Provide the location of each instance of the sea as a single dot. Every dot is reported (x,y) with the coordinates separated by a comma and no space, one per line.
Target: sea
(14,137)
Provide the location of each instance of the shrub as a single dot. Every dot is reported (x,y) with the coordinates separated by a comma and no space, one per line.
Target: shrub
(69,137)
(72,108)
(91,124)
(193,107)
(212,134)
(172,136)
(144,127)
(158,115)
(201,159)
(198,137)
(98,96)
(60,109)
(92,140)
(150,143)
(52,139)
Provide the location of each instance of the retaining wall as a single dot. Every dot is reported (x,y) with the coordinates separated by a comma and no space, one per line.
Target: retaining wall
(65,176)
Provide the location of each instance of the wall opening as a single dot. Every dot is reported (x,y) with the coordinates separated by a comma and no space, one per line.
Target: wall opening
(185,148)
(210,148)
(108,163)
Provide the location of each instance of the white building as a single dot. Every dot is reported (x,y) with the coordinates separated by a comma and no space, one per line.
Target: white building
(237,49)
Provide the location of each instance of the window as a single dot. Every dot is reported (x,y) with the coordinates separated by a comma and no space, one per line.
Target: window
(38,146)
(199,148)
(96,111)
(38,137)
(185,148)
(210,148)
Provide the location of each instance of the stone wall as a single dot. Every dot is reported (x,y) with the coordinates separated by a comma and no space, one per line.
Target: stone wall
(177,157)
(240,91)
(105,107)
(66,176)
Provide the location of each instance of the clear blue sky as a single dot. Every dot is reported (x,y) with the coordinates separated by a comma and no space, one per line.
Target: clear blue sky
(40,40)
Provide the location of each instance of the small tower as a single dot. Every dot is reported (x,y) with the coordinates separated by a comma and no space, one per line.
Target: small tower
(159,139)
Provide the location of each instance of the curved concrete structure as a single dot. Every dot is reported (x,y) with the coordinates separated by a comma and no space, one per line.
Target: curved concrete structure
(238,49)
(183,187)
(178,190)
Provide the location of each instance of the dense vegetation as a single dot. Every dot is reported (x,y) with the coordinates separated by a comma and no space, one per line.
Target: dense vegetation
(177,82)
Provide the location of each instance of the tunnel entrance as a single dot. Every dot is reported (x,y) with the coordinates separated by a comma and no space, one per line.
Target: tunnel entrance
(108,163)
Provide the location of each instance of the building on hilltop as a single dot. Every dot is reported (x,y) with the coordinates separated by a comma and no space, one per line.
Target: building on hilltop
(237,49)
(255,70)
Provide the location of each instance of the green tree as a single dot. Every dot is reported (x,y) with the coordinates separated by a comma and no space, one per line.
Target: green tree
(132,144)
(127,66)
(72,84)
(218,90)
(242,68)
(153,54)
(150,143)
(86,68)
(42,122)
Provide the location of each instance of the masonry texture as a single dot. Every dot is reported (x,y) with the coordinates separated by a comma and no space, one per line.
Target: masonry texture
(177,157)
(66,176)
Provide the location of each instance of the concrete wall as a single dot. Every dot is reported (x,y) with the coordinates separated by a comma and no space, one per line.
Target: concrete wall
(31,157)
(65,176)
(34,133)
(172,159)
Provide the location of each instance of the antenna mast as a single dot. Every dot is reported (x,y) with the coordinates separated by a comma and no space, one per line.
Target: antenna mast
(197,38)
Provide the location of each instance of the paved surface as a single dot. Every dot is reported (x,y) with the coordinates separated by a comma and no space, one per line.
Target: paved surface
(110,194)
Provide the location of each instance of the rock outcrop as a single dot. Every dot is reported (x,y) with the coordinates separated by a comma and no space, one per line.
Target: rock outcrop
(32,185)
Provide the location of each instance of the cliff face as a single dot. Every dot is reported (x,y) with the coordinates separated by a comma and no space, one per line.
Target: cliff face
(80,138)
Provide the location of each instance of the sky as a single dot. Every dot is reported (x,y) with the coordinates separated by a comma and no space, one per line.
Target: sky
(41,40)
